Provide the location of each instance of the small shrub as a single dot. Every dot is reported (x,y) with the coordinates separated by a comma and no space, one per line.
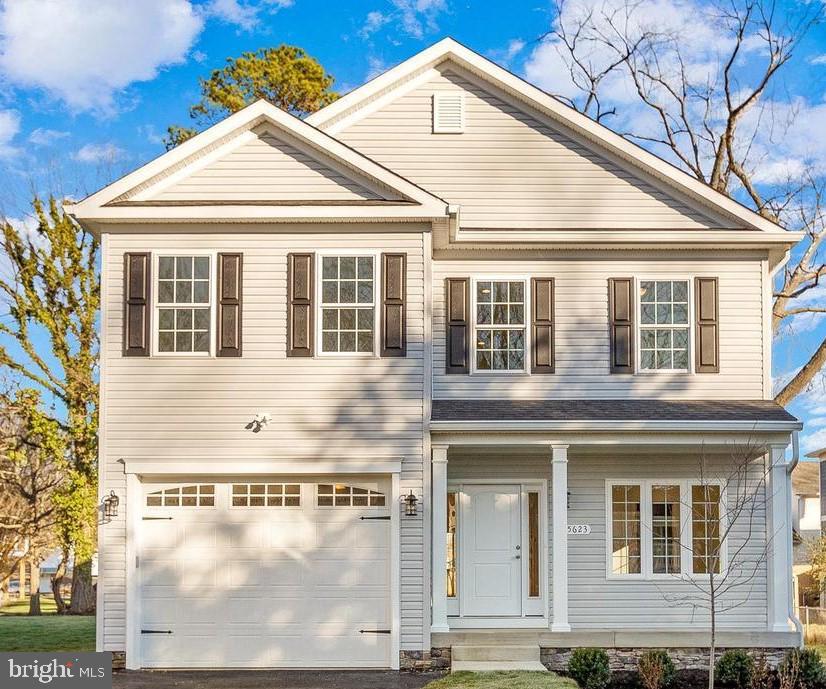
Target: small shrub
(590,668)
(801,669)
(656,669)
(734,669)
(762,676)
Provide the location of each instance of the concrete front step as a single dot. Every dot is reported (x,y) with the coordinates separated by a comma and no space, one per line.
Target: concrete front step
(485,653)
(478,658)
(496,665)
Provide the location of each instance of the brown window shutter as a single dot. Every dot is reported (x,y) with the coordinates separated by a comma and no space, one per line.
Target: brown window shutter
(300,313)
(621,317)
(706,308)
(457,345)
(137,282)
(230,290)
(393,307)
(542,325)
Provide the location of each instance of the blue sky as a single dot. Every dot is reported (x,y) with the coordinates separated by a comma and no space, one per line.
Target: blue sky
(88,87)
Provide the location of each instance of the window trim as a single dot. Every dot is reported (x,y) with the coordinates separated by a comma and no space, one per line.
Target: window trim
(638,280)
(213,302)
(526,281)
(375,254)
(646,542)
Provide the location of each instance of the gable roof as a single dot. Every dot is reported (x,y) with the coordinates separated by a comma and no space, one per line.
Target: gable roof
(140,195)
(382,89)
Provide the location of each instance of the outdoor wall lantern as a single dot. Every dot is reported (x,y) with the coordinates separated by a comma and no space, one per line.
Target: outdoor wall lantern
(110,505)
(411,503)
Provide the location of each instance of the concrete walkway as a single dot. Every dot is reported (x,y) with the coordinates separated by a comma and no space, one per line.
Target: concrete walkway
(273,679)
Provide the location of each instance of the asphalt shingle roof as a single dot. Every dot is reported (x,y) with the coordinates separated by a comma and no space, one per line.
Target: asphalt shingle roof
(608,410)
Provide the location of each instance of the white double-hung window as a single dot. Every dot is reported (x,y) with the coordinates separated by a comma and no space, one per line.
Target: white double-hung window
(664,325)
(347,302)
(500,325)
(184,304)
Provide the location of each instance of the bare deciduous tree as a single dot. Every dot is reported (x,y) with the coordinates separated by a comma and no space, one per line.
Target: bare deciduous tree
(30,475)
(710,114)
(727,542)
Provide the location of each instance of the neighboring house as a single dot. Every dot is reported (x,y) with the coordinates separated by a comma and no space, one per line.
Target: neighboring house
(806,527)
(445,285)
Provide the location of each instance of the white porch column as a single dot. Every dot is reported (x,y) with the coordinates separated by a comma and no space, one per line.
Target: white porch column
(439,539)
(559,561)
(780,541)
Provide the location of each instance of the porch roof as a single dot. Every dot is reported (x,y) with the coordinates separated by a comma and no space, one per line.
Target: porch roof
(644,410)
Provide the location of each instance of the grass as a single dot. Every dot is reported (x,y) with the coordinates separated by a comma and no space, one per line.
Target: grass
(49,632)
(503,680)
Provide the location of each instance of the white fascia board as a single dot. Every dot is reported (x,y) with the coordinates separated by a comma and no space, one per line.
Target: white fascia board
(616,426)
(252,115)
(234,468)
(239,213)
(581,124)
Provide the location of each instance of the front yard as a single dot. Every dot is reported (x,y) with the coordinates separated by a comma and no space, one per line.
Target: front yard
(503,680)
(49,632)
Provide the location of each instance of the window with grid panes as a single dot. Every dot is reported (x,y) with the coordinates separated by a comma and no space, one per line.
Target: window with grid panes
(500,325)
(184,304)
(664,325)
(348,304)
(665,529)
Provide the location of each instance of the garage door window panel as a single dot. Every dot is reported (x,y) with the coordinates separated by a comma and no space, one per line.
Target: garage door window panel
(343,495)
(266,495)
(200,495)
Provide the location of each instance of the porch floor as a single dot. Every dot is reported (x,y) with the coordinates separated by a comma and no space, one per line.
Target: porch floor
(619,638)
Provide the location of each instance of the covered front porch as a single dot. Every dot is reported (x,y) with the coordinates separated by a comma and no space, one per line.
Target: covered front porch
(565,532)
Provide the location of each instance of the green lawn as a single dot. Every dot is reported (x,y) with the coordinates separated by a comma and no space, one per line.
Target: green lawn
(49,632)
(503,680)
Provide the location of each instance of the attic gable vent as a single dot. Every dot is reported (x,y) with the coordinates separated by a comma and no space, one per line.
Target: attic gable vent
(448,113)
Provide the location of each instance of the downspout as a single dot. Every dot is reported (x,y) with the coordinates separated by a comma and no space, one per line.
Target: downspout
(789,469)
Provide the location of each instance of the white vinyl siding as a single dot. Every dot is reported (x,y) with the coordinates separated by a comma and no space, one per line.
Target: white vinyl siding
(327,410)
(266,167)
(509,169)
(581,328)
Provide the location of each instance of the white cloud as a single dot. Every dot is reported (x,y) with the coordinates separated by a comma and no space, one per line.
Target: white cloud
(374,21)
(9,127)
(375,66)
(413,17)
(46,137)
(244,15)
(99,153)
(515,46)
(84,52)
(818,59)
(510,51)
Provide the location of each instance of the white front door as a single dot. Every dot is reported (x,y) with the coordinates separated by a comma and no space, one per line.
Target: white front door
(491,551)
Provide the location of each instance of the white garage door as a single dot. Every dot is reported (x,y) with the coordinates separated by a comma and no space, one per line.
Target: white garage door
(265,573)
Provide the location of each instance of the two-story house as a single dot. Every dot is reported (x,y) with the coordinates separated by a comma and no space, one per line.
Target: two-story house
(508,358)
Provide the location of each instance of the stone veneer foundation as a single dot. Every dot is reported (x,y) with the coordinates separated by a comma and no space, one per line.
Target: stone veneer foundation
(621,659)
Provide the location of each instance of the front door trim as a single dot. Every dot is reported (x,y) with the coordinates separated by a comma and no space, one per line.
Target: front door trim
(534,610)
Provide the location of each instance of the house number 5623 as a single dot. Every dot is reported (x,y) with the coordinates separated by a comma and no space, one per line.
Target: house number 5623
(579,529)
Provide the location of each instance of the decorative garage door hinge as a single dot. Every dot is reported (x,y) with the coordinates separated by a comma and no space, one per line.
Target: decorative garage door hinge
(374,631)
(386,516)
(156,631)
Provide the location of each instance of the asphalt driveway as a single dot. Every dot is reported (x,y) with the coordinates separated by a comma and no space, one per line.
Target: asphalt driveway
(273,679)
